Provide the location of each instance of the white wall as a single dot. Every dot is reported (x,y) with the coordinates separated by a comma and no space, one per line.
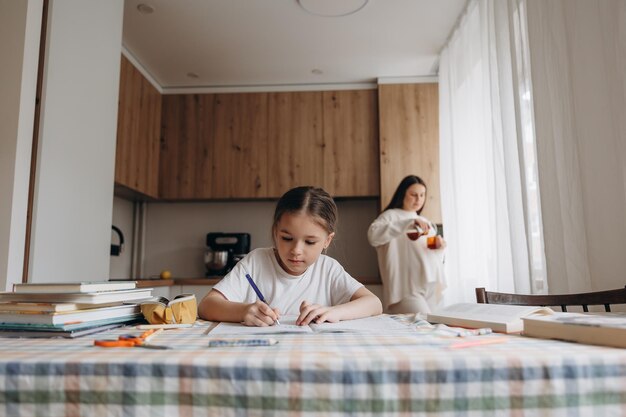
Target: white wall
(578,64)
(176,233)
(20,27)
(120,266)
(74,185)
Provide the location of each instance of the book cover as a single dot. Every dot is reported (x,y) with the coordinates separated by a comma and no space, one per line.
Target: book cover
(502,318)
(605,329)
(66,317)
(70,334)
(34,307)
(86,298)
(71,326)
(73,287)
(37,307)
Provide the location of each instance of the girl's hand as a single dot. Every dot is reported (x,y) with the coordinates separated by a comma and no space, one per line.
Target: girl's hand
(260,314)
(315,313)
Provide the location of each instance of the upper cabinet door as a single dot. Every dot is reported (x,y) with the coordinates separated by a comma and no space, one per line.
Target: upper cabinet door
(295,141)
(186,147)
(409,140)
(138,130)
(351,167)
(240,146)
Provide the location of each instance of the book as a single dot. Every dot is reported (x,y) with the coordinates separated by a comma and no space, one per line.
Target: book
(48,307)
(55,332)
(502,318)
(164,302)
(79,297)
(36,307)
(606,329)
(134,318)
(73,287)
(65,317)
(375,324)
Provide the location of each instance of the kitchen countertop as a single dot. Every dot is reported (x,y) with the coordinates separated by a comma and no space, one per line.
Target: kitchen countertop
(157,282)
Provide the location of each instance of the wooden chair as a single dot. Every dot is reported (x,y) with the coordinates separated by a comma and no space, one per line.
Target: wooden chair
(584,299)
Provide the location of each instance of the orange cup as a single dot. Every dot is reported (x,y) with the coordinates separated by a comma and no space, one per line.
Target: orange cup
(431,242)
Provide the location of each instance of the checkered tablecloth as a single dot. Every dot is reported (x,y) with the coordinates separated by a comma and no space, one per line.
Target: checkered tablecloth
(397,374)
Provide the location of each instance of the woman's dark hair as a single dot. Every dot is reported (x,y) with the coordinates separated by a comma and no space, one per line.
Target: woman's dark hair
(398,197)
(313,201)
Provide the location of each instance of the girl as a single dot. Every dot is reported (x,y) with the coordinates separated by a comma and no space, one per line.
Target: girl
(294,277)
(410,254)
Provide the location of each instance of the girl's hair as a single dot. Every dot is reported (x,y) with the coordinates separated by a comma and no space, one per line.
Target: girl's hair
(398,197)
(315,202)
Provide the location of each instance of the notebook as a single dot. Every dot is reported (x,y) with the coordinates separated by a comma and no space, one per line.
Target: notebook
(376,324)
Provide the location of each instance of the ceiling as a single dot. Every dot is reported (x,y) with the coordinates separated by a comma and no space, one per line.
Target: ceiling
(196,44)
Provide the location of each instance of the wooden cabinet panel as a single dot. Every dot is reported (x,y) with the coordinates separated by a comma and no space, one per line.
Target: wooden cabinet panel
(409,140)
(351,166)
(259,145)
(186,147)
(295,143)
(240,146)
(138,130)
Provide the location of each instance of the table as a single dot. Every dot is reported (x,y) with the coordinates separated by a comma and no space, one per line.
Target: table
(332,374)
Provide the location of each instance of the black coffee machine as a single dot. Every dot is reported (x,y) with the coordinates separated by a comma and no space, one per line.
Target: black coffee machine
(224,250)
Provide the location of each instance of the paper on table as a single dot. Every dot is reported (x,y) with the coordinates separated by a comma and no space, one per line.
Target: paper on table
(376,324)
(287,325)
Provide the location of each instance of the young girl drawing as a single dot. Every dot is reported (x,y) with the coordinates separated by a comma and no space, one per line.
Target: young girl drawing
(411,267)
(294,277)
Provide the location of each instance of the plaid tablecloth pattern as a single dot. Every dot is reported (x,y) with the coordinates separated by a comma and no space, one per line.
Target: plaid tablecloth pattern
(410,373)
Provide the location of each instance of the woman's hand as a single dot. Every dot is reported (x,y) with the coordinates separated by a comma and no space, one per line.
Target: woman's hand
(260,314)
(315,313)
(422,225)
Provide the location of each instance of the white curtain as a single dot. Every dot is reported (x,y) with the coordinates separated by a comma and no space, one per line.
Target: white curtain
(490,197)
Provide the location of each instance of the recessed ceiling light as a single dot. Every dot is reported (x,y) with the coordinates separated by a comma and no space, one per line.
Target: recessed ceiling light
(332,8)
(144,8)
(192,75)
(317,71)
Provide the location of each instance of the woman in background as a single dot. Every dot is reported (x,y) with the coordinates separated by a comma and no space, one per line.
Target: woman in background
(410,254)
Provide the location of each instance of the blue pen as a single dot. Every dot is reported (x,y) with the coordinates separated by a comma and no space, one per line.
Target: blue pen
(258,292)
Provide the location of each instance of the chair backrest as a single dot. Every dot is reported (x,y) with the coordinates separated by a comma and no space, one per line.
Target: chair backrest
(585,299)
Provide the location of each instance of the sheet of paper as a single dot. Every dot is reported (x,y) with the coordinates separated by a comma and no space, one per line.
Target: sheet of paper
(287,325)
(375,324)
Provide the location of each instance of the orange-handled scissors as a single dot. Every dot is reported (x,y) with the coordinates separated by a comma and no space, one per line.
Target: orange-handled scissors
(114,343)
(132,341)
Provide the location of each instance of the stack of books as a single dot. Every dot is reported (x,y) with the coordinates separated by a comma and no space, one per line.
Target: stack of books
(69,309)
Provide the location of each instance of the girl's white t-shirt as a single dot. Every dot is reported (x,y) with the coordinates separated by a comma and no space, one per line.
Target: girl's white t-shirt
(325,282)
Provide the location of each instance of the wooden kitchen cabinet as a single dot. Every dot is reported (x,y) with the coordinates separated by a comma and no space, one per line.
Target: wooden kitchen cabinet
(409,140)
(354,143)
(351,167)
(240,146)
(138,131)
(186,154)
(295,141)
(214,146)
(259,145)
